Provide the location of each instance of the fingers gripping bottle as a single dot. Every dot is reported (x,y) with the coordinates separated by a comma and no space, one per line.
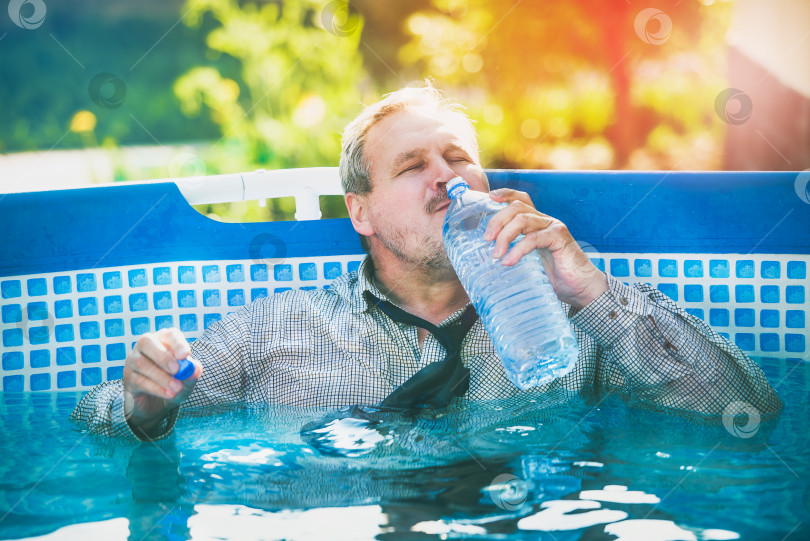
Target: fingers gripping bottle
(517,305)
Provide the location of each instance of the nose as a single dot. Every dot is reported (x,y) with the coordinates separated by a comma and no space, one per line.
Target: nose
(443,175)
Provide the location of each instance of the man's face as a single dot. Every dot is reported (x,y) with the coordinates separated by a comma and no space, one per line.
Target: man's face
(413,155)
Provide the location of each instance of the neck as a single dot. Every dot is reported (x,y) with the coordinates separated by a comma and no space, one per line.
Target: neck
(432,294)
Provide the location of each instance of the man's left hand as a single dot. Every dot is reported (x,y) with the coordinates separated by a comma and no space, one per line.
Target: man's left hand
(575,279)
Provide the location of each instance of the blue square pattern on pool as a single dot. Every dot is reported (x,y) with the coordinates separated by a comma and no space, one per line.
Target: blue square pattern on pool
(89,330)
(162,300)
(281,289)
(258,293)
(796,270)
(258,272)
(794,294)
(85,282)
(744,317)
(91,354)
(719,268)
(186,274)
(12,337)
(718,317)
(113,304)
(63,333)
(745,268)
(744,293)
(211,274)
(12,313)
(352,266)
(693,268)
(308,271)
(37,311)
(769,319)
(667,268)
(794,343)
(693,293)
(116,352)
(161,276)
(62,285)
(599,263)
(91,376)
(10,289)
(40,382)
(40,358)
(208,319)
(13,360)
(332,269)
(745,341)
(113,328)
(770,270)
(65,380)
(37,287)
(65,356)
(39,335)
(235,273)
(794,319)
(769,294)
(236,297)
(769,342)
(697,312)
(718,293)
(137,277)
(211,297)
(138,302)
(642,268)
(164,322)
(670,290)
(88,306)
(187,299)
(112,280)
(620,267)
(282,273)
(63,308)
(188,322)
(139,325)
(115,372)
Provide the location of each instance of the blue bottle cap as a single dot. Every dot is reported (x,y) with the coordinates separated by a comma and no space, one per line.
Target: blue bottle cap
(186,369)
(456,186)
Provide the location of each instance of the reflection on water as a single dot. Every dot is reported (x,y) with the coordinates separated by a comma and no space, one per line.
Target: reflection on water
(583,471)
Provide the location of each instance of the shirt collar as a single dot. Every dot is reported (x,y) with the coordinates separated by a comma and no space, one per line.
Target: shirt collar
(353,285)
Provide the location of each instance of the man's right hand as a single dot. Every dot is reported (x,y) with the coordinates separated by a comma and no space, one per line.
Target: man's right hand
(150,388)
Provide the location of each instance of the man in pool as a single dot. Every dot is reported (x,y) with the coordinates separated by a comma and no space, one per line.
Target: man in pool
(340,346)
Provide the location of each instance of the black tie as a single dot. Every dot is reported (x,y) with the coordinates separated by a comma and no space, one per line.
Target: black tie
(437,383)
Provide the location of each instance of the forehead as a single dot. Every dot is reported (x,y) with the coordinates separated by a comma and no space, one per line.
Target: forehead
(412,130)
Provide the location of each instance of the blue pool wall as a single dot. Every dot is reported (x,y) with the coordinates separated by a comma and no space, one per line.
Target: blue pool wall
(83,272)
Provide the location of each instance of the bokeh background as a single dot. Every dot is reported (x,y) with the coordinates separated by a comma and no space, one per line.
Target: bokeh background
(96,91)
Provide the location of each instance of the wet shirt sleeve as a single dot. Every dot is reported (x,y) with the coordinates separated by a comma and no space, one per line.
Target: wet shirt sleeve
(656,355)
(223,350)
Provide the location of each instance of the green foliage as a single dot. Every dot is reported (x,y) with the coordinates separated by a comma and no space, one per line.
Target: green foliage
(296,89)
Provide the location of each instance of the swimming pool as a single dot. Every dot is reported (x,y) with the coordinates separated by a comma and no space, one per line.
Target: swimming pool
(583,471)
(137,258)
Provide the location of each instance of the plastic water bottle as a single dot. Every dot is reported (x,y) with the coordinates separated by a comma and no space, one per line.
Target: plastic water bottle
(517,305)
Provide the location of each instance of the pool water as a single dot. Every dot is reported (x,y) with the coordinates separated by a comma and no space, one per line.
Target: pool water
(582,471)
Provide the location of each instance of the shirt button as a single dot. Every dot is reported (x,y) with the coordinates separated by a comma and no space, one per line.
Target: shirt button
(613,314)
(623,301)
(667,345)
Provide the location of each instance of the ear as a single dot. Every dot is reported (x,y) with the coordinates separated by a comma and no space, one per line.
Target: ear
(358,213)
